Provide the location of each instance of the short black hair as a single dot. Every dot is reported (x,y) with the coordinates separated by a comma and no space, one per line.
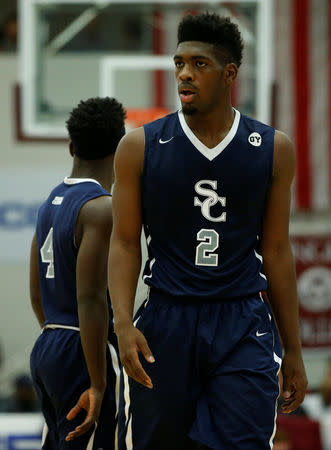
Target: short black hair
(216,30)
(95,127)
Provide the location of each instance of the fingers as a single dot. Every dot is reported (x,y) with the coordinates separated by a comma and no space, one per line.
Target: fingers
(73,412)
(135,370)
(130,357)
(83,428)
(293,395)
(294,381)
(145,350)
(290,402)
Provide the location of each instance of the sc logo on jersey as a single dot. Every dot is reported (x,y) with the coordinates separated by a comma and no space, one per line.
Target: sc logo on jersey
(211,200)
(255,139)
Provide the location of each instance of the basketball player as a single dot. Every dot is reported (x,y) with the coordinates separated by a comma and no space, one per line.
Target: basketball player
(212,189)
(73,368)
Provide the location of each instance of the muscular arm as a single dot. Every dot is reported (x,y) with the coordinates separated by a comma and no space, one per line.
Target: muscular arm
(125,251)
(35,295)
(91,277)
(280,270)
(92,234)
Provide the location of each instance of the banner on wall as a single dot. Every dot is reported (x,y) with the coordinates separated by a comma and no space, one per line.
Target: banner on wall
(313,268)
(22,192)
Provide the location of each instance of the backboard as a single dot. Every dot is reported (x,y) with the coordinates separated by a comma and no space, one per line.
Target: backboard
(72,50)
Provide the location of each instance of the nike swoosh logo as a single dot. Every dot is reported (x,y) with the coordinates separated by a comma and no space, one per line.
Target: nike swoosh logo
(164,142)
(258,334)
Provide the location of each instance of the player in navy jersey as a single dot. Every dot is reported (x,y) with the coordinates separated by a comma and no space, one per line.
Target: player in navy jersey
(73,367)
(211,187)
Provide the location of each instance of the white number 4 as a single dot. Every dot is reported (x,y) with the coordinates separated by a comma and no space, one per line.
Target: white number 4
(47,255)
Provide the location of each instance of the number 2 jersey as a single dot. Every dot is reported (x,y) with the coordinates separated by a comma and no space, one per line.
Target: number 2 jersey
(57,249)
(203,208)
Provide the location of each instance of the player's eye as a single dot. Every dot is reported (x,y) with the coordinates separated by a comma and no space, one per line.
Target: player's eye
(179,64)
(200,63)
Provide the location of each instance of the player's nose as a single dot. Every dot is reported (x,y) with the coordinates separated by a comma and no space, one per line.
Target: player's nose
(186,73)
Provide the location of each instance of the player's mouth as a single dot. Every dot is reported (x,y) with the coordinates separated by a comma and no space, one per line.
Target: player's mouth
(186,95)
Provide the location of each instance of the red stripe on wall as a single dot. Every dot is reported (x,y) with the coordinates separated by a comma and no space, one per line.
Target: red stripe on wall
(302,101)
(158,49)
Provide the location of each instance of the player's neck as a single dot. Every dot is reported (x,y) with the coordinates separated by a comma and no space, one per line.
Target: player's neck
(99,170)
(212,127)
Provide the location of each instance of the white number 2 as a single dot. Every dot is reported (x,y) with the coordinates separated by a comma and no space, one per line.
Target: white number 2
(47,255)
(204,255)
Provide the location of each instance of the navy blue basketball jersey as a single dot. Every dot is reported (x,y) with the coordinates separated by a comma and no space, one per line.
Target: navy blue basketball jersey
(57,250)
(203,208)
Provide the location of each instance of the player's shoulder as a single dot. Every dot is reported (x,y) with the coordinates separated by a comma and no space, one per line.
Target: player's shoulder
(129,155)
(160,127)
(131,148)
(97,211)
(256,134)
(284,147)
(131,141)
(284,153)
(59,187)
(136,137)
(255,125)
(76,191)
(283,140)
(55,193)
(162,121)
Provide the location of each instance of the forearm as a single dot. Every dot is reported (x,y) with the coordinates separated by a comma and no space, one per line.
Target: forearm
(38,310)
(280,270)
(124,269)
(35,291)
(94,322)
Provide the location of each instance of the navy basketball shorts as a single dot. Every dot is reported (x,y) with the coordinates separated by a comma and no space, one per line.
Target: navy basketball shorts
(215,377)
(60,376)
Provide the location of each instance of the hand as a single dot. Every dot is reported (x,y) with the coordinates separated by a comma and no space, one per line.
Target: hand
(130,342)
(91,401)
(294,381)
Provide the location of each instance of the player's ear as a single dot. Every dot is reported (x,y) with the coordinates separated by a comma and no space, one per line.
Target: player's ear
(230,73)
(71,149)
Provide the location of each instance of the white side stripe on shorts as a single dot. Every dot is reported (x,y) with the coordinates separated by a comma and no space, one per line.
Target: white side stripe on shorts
(126,396)
(128,417)
(117,371)
(128,437)
(116,367)
(44,435)
(279,362)
(91,441)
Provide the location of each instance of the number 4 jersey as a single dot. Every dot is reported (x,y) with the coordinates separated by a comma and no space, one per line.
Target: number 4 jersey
(57,249)
(203,208)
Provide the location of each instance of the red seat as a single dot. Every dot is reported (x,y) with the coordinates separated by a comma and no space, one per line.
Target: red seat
(304,433)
